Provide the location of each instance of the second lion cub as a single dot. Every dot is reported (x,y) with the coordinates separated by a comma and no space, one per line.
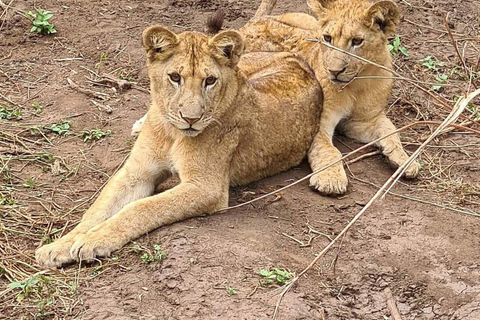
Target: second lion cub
(354,106)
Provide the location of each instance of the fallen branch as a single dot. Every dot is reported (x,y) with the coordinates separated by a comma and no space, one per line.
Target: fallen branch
(119,83)
(88,92)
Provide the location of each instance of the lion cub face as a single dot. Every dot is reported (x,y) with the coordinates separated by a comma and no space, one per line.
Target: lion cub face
(356,26)
(190,74)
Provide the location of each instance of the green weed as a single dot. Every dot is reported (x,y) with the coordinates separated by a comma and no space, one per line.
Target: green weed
(37,107)
(40,23)
(103,57)
(231,291)
(126,76)
(30,183)
(396,47)
(441,79)
(5,172)
(61,128)
(94,134)
(10,114)
(6,201)
(29,286)
(148,256)
(431,63)
(275,276)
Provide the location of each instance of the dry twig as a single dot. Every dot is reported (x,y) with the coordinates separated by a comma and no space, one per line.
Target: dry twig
(88,92)
(454,43)
(391,304)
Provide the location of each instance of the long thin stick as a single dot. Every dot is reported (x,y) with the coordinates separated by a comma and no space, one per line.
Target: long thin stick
(452,117)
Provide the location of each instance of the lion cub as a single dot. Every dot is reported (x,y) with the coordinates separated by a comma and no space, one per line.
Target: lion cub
(354,106)
(216,120)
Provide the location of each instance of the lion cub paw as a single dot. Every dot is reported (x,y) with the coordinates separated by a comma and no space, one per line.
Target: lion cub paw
(96,243)
(332,181)
(412,170)
(55,255)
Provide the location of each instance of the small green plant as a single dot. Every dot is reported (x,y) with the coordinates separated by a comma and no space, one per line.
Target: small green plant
(441,79)
(27,287)
(73,286)
(5,173)
(94,134)
(275,276)
(6,201)
(472,108)
(157,254)
(61,128)
(431,63)
(396,47)
(10,114)
(40,23)
(231,291)
(30,183)
(103,57)
(37,107)
(126,76)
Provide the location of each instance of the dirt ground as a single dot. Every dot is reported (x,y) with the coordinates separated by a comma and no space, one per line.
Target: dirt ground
(425,253)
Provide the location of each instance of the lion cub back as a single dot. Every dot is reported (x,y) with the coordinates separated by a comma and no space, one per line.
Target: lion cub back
(279,75)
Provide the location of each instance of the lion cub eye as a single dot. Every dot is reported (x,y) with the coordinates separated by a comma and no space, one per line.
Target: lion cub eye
(210,81)
(357,42)
(327,38)
(175,77)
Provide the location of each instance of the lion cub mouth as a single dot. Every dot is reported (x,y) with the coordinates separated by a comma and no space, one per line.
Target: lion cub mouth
(190,132)
(336,81)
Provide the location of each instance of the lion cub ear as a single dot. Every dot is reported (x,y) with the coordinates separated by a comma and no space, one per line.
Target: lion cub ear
(384,15)
(228,46)
(319,7)
(158,42)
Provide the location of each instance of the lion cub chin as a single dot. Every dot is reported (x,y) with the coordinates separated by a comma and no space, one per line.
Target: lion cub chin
(216,120)
(356,92)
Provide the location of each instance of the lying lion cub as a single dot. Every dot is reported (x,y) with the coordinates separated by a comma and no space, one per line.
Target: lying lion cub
(213,122)
(355,106)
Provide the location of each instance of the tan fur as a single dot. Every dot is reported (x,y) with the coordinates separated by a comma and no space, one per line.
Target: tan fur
(243,133)
(359,109)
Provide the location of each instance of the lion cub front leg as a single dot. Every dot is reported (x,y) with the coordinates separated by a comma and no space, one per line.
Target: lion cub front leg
(322,152)
(380,126)
(188,199)
(136,180)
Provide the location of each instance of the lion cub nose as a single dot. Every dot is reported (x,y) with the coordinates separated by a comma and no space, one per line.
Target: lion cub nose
(191,121)
(336,73)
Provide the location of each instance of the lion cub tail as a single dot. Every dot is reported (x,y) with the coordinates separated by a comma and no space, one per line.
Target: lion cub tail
(265,8)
